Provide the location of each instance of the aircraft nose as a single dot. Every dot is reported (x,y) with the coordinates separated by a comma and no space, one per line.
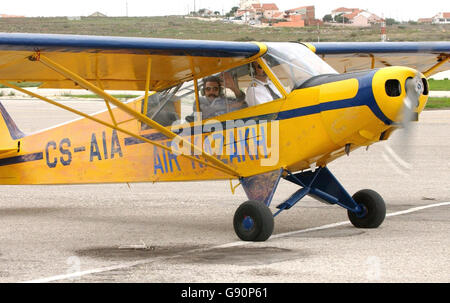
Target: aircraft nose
(400,92)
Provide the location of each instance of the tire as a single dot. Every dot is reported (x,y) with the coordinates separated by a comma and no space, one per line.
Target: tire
(253,221)
(374,207)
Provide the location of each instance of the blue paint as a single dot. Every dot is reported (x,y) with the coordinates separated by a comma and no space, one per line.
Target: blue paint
(165,159)
(79,149)
(65,151)
(324,48)
(53,163)
(263,141)
(126,45)
(157,164)
(166,162)
(244,144)
(151,137)
(323,186)
(233,150)
(115,145)
(293,199)
(172,158)
(248,223)
(105,148)
(22,158)
(94,150)
(255,143)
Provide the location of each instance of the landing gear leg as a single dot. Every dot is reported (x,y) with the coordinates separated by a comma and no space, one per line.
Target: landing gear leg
(253,220)
(366,208)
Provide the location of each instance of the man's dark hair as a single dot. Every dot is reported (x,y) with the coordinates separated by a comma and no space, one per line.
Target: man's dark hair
(215,79)
(212,79)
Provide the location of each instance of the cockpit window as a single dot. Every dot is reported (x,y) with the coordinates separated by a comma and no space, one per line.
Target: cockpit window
(294,63)
(171,105)
(218,94)
(237,88)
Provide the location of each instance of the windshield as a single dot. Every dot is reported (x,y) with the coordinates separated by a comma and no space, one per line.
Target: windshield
(294,63)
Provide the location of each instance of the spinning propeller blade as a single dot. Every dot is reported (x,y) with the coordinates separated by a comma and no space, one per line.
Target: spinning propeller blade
(414,89)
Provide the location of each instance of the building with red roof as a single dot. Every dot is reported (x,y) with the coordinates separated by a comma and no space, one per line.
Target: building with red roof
(356,16)
(10,16)
(441,18)
(299,17)
(344,11)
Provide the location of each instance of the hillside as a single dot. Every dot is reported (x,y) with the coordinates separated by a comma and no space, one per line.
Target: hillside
(187,28)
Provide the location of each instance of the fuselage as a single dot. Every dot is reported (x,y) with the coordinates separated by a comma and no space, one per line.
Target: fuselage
(317,122)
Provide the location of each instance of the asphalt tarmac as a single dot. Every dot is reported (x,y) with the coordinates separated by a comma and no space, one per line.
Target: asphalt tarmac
(182,232)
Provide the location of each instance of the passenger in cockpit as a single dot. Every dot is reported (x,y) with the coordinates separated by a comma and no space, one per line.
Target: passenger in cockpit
(261,89)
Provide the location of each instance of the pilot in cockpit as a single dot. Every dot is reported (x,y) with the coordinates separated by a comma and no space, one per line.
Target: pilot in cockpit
(213,101)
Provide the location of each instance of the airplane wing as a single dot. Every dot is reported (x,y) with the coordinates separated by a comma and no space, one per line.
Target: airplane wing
(426,57)
(117,63)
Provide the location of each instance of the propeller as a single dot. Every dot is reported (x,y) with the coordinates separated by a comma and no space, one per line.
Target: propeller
(414,89)
(400,151)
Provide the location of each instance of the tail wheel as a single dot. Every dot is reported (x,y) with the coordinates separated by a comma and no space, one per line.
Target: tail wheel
(253,221)
(374,209)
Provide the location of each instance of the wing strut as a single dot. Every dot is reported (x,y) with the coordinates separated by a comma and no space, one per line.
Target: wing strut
(147,83)
(87,85)
(441,61)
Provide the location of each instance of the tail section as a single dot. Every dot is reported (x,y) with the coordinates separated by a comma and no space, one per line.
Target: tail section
(9,134)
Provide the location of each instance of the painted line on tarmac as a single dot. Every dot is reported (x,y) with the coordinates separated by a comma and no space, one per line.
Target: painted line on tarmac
(79,274)
(411,210)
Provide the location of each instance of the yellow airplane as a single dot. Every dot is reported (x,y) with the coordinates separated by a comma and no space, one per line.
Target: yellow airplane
(252,112)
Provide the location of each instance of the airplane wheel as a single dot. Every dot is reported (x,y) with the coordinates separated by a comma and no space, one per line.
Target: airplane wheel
(374,207)
(253,221)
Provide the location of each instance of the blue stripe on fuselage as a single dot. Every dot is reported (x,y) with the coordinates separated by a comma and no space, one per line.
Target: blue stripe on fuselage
(22,159)
(364,97)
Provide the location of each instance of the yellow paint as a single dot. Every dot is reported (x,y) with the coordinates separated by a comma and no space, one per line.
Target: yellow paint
(116,71)
(8,146)
(392,106)
(435,67)
(310,46)
(340,90)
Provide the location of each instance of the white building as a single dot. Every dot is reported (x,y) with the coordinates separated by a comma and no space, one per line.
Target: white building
(441,18)
(247,4)
(365,18)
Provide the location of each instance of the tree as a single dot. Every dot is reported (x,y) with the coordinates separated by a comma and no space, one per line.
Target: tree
(233,10)
(327,18)
(338,19)
(391,21)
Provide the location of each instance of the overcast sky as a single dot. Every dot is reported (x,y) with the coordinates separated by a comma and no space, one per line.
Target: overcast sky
(402,10)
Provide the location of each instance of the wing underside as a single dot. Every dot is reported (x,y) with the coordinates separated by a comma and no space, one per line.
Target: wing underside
(116,63)
(426,57)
